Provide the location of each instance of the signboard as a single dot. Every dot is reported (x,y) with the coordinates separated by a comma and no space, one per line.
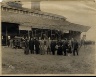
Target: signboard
(24,28)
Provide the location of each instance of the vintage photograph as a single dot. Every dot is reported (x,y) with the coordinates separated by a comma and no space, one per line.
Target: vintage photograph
(54,37)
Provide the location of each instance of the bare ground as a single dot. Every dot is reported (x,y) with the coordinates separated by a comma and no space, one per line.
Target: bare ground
(15,62)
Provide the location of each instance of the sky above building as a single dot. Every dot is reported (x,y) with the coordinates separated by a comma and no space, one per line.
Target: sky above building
(79,12)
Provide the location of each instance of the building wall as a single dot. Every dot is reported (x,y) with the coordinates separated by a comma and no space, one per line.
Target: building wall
(76,35)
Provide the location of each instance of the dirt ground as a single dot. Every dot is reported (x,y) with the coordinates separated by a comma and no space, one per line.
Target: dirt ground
(15,62)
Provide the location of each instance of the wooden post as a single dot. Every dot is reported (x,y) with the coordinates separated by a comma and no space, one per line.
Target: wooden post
(31,32)
(28,34)
(41,32)
(51,34)
(35,33)
(19,32)
(6,35)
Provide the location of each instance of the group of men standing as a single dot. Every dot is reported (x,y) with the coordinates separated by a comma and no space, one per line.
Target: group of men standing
(43,46)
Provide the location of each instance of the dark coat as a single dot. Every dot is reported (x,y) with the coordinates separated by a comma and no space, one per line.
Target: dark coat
(72,43)
(31,44)
(26,51)
(59,43)
(59,51)
(8,42)
(76,45)
(37,45)
(69,49)
(65,45)
(52,45)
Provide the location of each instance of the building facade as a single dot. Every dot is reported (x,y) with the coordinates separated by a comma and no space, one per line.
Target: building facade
(23,22)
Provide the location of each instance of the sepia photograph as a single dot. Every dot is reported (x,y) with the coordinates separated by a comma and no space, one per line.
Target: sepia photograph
(48,37)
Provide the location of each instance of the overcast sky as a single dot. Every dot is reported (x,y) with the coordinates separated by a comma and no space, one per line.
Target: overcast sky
(80,12)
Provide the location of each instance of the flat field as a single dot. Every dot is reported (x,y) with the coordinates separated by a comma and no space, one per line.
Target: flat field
(14,61)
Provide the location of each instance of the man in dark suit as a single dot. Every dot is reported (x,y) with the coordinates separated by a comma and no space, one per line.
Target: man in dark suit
(59,49)
(75,48)
(37,44)
(65,46)
(52,45)
(31,45)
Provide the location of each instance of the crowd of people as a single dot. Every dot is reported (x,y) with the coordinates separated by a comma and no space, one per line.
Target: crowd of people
(47,46)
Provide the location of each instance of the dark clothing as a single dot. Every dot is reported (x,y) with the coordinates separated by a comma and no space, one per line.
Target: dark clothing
(75,49)
(72,43)
(65,47)
(53,49)
(26,51)
(59,51)
(18,44)
(26,44)
(49,50)
(69,49)
(37,49)
(14,43)
(59,43)
(31,46)
(8,43)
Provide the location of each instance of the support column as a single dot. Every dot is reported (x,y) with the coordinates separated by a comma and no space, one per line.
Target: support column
(31,32)
(6,35)
(35,33)
(51,34)
(28,34)
(19,32)
(41,32)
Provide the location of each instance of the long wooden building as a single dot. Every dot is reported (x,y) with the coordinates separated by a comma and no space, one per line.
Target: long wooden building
(19,21)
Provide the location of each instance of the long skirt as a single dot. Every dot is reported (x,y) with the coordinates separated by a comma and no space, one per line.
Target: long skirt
(48,50)
(26,51)
(42,52)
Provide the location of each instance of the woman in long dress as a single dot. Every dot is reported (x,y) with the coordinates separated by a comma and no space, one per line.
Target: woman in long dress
(48,43)
(42,52)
